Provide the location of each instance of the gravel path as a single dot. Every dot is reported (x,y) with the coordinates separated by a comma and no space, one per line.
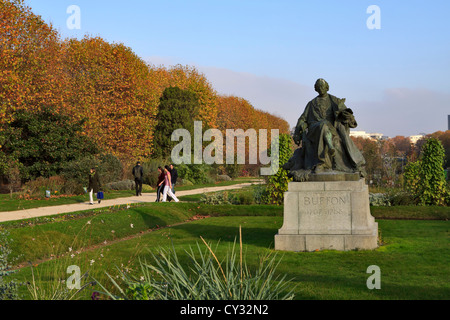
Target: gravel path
(146,197)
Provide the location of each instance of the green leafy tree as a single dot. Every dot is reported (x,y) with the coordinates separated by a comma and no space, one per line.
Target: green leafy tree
(277,184)
(425,179)
(44,141)
(411,178)
(177,110)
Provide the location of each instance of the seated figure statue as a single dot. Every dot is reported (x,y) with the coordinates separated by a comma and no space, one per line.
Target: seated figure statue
(323,133)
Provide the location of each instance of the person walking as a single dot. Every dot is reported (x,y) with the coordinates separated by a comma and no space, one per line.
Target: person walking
(94,185)
(168,186)
(138,173)
(174,177)
(160,184)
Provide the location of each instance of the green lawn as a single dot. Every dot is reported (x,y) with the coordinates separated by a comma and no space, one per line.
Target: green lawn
(414,260)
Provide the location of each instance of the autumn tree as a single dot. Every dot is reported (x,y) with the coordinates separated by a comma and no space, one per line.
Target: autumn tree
(402,145)
(30,61)
(237,113)
(110,87)
(187,78)
(372,154)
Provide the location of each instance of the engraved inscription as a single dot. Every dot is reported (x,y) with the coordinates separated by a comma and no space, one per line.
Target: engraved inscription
(326,212)
(319,205)
(307,201)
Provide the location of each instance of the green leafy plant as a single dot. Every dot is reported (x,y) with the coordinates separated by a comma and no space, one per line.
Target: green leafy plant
(40,288)
(425,179)
(215,198)
(43,141)
(277,184)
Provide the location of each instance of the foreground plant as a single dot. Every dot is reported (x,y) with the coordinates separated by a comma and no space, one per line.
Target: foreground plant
(206,278)
(9,290)
(55,289)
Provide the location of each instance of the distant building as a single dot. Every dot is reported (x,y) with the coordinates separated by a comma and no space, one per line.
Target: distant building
(366,135)
(416,138)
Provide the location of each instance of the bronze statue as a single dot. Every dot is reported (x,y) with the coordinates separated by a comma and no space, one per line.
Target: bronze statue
(323,133)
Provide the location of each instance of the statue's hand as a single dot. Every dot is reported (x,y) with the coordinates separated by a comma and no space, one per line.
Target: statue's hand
(297,138)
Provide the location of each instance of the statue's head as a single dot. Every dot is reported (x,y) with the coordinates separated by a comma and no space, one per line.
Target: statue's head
(321,86)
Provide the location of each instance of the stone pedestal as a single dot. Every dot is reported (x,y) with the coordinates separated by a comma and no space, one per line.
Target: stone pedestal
(327,215)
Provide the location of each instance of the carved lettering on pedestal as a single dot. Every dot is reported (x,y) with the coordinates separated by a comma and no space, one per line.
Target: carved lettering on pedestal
(319,200)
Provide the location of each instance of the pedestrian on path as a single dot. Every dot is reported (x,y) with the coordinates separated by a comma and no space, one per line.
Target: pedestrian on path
(173,176)
(160,184)
(168,186)
(138,173)
(94,185)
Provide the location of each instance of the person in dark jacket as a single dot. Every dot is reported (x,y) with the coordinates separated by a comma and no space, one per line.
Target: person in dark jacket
(174,176)
(160,184)
(94,185)
(138,174)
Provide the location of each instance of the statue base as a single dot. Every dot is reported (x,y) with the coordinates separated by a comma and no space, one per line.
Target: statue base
(327,215)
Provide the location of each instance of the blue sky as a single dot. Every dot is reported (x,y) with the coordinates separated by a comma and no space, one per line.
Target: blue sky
(396,79)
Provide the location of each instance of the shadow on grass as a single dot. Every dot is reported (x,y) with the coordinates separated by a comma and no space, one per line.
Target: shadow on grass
(260,237)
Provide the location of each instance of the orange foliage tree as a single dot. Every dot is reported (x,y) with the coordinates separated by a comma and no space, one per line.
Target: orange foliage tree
(187,78)
(237,113)
(30,61)
(110,86)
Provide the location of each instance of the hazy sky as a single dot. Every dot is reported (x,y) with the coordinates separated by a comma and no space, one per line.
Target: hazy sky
(396,78)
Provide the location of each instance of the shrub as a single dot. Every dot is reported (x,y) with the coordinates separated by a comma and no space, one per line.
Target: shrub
(121,185)
(259,193)
(72,188)
(196,173)
(401,198)
(146,188)
(37,187)
(108,167)
(379,199)
(223,177)
(78,170)
(185,182)
(151,172)
(215,198)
